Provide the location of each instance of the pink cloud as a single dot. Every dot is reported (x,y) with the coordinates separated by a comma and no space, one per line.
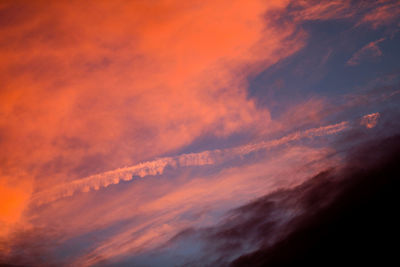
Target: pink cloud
(370,50)
(370,120)
(156,167)
(385,13)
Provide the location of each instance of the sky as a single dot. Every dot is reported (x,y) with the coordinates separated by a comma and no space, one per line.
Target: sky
(191,133)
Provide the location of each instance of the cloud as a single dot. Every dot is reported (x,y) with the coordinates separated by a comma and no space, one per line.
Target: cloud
(14,197)
(29,247)
(386,12)
(335,214)
(371,50)
(370,120)
(322,10)
(356,217)
(198,201)
(156,167)
(90,88)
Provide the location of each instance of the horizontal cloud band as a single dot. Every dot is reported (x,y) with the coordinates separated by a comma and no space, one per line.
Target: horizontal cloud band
(157,167)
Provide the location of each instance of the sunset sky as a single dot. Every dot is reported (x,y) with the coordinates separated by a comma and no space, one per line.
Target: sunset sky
(144,133)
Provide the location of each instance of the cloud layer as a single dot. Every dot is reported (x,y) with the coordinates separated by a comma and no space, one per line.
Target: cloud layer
(124,123)
(156,167)
(329,216)
(90,88)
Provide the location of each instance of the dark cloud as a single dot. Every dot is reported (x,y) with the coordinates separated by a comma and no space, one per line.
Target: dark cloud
(32,247)
(349,216)
(340,216)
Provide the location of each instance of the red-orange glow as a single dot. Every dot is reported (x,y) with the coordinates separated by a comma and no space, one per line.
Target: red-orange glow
(14,197)
(88,88)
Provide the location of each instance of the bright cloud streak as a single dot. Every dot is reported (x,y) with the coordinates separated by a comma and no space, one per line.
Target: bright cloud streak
(156,167)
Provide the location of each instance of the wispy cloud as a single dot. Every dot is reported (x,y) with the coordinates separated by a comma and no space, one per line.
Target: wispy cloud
(90,87)
(271,229)
(156,167)
(370,50)
(98,101)
(384,13)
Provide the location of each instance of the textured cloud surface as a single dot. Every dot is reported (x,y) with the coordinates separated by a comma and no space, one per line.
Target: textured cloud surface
(128,127)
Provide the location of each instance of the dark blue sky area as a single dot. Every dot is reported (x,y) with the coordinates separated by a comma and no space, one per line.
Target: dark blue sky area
(320,69)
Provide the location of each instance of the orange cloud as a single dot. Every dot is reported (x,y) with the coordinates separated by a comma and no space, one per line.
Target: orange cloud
(157,167)
(14,197)
(88,88)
